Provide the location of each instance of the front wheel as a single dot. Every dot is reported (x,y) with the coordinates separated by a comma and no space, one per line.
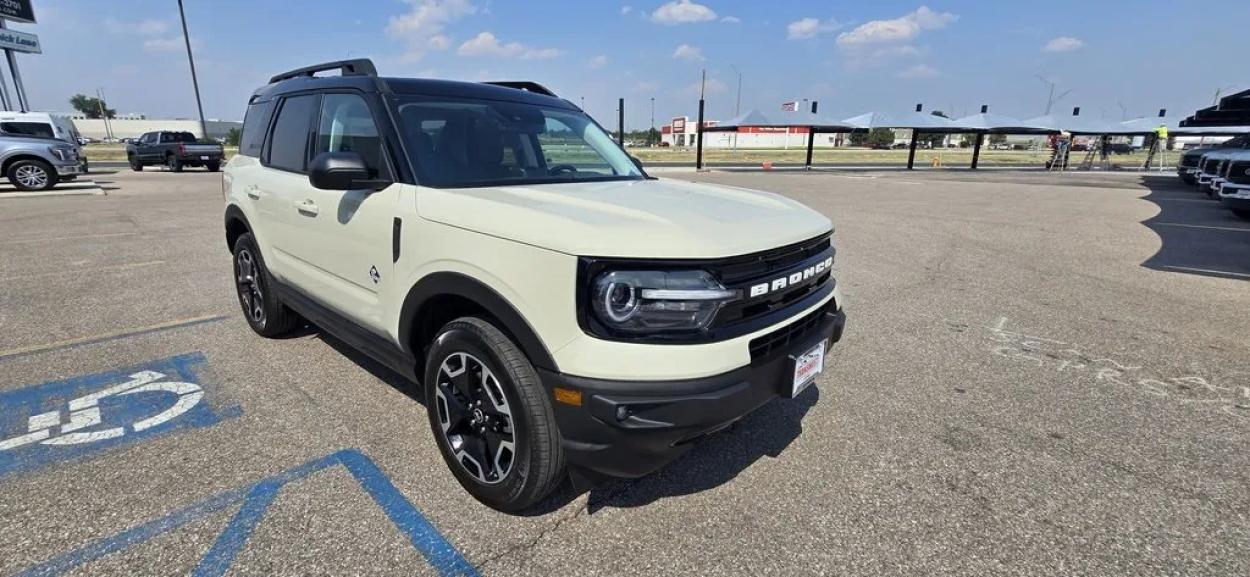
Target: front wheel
(491,417)
(135,165)
(263,309)
(32,175)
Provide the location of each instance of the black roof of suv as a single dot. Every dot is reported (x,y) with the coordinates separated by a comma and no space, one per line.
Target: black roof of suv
(361,75)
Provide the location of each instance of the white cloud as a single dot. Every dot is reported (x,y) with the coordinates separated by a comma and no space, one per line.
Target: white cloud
(689,53)
(682,12)
(598,61)
(731,20)
(920,71)
(626,9)
(164,44)
(486,44)
(810,28)
(147,27)
(422,26)
(899,29)
(1063,44)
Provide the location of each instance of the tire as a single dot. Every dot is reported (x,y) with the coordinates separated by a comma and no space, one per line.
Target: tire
(32,175)
(135,165)
(516,479)
(1241,212)
(174,163)
(264,312)
(212,166)
(1189,180)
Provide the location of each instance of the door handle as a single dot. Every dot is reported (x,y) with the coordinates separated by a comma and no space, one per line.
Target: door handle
(253,192)
(307,207)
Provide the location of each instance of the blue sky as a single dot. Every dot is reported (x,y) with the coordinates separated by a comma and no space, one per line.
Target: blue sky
(851,56)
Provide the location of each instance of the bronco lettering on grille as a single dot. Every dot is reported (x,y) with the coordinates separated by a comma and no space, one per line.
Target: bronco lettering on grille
(792,279)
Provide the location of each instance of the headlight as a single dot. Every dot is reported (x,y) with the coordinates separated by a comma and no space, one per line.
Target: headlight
(658,301)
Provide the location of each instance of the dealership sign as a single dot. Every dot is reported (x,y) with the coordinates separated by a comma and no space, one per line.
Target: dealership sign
(19,10)
(19,41)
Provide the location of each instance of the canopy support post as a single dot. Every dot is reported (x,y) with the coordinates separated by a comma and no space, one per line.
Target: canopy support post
(976,150)
(811,142)
(911,151)
(698,149)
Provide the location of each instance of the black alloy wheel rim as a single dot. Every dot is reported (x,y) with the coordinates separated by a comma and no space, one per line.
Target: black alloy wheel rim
(475,418)
(248,280)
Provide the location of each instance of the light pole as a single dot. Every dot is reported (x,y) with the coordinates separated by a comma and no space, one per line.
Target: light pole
(651,134)
(195,82)
(737,102)
(1051,99)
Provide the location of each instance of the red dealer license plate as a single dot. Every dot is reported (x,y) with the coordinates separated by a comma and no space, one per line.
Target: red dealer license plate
(806,367)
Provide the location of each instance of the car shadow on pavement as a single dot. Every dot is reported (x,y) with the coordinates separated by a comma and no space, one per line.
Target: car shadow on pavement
(382,372)
(716,460)
(1199,235)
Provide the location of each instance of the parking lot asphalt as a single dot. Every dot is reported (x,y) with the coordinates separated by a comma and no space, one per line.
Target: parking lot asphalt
(1042,374)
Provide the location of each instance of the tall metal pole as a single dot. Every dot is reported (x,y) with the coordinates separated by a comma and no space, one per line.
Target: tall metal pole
(698,129)
(104,114)
(650,134)
(195,82)
(19,89)
(620,122)
(737,102)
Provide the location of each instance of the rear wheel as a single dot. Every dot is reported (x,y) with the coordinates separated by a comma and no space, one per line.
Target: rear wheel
(32,175)
(491,417)
(212,166)
(174,163)
(265,313)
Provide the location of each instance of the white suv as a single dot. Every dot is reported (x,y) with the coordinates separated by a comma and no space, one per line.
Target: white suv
(564,313)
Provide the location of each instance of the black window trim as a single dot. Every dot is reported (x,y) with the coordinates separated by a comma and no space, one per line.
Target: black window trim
(371,105)
(273,123)
(264,130)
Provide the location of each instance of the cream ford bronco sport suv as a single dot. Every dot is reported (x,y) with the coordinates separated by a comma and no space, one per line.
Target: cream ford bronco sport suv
(564,313)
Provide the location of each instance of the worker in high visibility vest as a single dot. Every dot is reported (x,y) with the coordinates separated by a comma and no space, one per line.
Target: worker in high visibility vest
(1161,141)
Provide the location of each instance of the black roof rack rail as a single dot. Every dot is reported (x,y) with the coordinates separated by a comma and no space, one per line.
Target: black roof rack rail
(525,85)
(357,67)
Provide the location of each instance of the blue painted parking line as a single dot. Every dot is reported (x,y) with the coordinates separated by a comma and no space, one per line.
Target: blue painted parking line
(254,500)
(71,418)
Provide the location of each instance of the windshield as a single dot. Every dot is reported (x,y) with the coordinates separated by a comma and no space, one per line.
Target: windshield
(463,143)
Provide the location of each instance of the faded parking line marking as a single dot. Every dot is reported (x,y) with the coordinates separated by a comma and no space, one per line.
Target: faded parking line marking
(111,268)
(1228,228)
(255,501)
(1208,271)
(128,333)
(78,237)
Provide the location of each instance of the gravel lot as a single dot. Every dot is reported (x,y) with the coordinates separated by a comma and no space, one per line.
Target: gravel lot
(1042,374)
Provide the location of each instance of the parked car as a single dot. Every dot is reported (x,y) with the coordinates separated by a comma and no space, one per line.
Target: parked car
(174,150)
(1210,169)
(1187,168)
(45,125)
(1234,187)
(37,162)
(493,243)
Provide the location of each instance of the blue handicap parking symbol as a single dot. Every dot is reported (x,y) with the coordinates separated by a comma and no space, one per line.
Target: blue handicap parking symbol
(252,502)
(70,418)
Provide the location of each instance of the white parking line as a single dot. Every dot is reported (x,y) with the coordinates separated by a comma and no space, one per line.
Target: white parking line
(1228,228)
(60,238)
(1208,271)
(22,351)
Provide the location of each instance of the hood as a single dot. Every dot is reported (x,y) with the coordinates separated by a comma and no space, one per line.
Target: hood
(636,218)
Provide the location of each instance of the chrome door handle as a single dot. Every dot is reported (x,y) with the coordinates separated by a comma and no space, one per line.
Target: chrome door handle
(307,207)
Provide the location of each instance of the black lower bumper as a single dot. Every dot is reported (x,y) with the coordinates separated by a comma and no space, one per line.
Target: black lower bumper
(629,429)
(1236,203)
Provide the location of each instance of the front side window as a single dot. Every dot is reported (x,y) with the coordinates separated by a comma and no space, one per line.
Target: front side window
(347,126)
(288,145)
(466,143)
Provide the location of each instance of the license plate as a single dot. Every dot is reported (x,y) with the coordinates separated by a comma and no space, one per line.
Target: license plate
(806,367)
(203,158)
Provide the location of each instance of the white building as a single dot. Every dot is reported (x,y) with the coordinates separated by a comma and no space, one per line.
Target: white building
(134,125)
(681,132)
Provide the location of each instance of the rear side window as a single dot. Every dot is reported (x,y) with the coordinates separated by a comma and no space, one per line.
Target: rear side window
(254,124)
(288,144)
(27,128)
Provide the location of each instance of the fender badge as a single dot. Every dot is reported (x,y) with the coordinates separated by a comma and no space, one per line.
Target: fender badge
(373,274)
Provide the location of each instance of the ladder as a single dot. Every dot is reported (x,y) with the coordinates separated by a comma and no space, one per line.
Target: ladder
(1156,148)
(1100,150)
(1059,160)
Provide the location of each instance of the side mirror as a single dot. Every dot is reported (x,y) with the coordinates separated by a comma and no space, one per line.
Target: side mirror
(341,171)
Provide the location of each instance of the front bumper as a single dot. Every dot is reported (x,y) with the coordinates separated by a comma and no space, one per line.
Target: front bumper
(629,429)
(1235,195)
(70,169)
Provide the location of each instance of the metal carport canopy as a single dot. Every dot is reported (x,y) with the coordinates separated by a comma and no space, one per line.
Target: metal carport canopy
(755,118)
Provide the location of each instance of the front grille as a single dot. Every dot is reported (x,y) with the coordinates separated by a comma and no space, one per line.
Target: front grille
(1239,172)
(745,275)
(1208,166)
(740,269)
(1190,160)
(781,339)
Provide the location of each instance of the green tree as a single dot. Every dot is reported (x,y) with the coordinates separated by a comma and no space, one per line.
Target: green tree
(880,137)
(91,106)
(998,138)
(233,136)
